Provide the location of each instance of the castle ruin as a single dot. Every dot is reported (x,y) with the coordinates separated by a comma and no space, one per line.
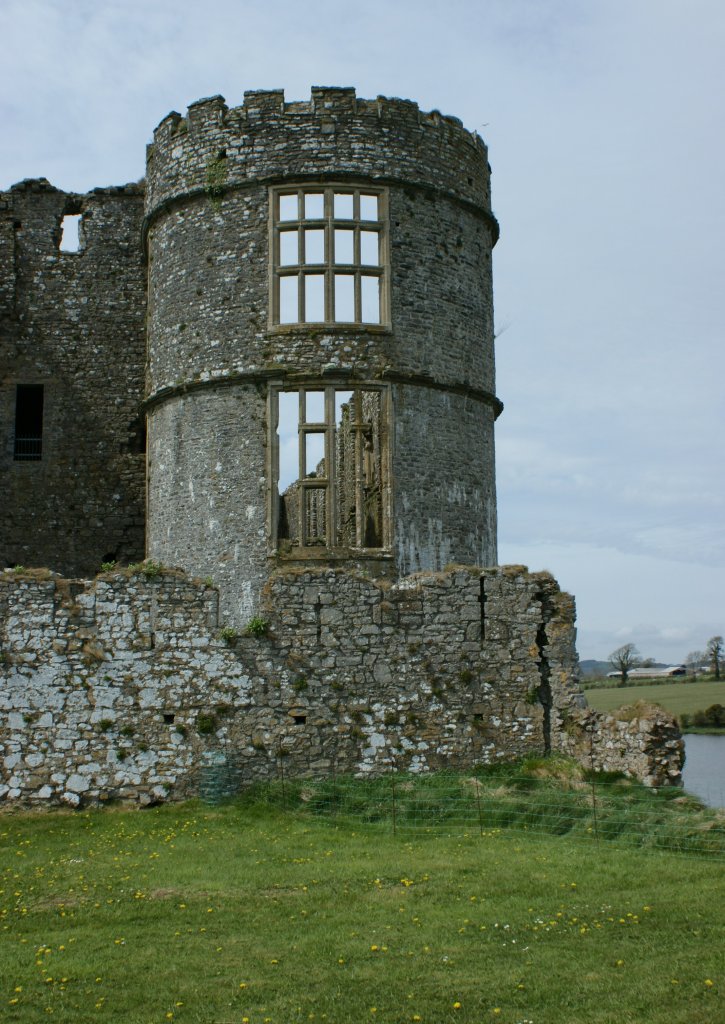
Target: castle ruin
(268,370)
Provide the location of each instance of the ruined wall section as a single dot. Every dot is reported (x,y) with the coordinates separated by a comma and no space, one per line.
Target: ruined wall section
(73,322)
(125,687)
(207,222)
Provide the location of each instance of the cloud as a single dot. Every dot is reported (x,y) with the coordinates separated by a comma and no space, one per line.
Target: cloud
(603,126)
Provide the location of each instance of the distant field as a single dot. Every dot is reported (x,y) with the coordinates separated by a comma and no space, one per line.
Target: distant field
(678,698)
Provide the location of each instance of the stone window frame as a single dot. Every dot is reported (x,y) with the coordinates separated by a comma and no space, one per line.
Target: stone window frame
(330,550)
(328,267)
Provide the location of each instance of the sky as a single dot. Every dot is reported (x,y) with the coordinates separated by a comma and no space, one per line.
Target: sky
(604,121)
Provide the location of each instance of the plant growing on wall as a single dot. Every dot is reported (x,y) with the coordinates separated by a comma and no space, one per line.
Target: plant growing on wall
(206,723)
(257,626)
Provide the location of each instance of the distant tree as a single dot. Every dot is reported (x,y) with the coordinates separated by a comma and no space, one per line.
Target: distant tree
(714,653)
(695,660)
(624,659)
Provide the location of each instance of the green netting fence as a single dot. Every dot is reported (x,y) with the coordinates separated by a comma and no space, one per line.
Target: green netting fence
(558,800)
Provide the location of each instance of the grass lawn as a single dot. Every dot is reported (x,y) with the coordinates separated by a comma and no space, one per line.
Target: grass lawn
(674,697)
(242,914)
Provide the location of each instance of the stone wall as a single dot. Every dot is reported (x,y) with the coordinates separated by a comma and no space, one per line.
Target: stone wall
(214,350)
(73,323)
(127,686)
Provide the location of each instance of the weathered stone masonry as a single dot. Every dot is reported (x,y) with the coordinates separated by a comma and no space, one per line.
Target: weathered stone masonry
(314,360)
(124,687)
(73,323)
(214,348)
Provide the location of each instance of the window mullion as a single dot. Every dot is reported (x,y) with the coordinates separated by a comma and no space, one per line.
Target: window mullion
(329,276)
(301,458)
(331,488)
(357,434)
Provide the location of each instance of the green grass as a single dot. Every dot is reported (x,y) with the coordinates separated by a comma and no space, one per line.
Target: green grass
(674,697)
(190,913)
(552,796)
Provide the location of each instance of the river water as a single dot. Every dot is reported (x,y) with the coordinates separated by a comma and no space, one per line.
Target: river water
(704,773)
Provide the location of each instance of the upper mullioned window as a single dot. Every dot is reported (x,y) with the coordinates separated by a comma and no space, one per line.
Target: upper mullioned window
(329,263)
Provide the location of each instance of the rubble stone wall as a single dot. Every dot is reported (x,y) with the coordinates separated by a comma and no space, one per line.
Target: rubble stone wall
(214,350)
(73,323)
(130,686)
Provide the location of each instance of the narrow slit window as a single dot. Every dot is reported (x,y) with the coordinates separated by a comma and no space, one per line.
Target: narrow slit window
(29,401)
(328,251)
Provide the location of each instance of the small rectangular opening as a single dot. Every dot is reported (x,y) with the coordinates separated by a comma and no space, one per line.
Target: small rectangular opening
(368,207)
(288,300)
(344,298)
(28,423)
(299,719)
(370,299)
(314,298)
(288,207)
(70,236)
(288,248)
(169,718)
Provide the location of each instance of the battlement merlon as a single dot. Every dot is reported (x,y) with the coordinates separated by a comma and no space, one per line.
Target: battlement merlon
(267,140)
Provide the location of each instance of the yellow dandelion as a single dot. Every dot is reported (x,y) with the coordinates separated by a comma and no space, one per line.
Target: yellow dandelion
(709,982)
(456,1005)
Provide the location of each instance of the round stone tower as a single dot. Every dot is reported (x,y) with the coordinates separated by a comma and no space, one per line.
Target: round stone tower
(320,340)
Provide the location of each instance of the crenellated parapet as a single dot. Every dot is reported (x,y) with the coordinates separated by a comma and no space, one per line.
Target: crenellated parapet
(268,139)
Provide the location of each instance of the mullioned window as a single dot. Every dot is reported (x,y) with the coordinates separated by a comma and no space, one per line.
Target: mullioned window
(330,468)
(329,255)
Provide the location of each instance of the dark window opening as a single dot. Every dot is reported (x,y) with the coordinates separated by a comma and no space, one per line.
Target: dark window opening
(136,444)
(169,718)
(28,423)
(299,719)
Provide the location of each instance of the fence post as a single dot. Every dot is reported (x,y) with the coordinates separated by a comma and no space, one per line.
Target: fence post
(477,785)
(281,772)
(594,789)
(392,778)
